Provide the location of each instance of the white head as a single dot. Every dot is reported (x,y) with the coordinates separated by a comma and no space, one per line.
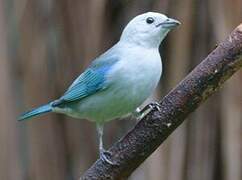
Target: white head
(148,29)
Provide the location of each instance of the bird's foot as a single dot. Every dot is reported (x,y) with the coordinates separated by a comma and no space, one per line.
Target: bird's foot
(151,106)
(140,113)
(105,157)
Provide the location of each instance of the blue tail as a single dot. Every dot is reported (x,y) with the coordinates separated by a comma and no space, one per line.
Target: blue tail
(40,110)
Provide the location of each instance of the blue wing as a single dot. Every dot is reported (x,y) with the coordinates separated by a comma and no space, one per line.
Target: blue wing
(90,81)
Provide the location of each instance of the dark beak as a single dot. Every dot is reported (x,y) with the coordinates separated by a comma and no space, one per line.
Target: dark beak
(169,23)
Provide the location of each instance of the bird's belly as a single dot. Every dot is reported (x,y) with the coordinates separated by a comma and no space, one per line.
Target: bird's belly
(129,90)
(105,106)
(117,101)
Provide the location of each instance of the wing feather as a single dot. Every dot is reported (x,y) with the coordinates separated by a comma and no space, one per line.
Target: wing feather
(90,81)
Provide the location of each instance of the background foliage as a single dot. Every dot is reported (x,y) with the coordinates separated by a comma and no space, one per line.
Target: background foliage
(45,44)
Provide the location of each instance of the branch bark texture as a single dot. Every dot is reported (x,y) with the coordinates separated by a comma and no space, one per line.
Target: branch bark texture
(157,125)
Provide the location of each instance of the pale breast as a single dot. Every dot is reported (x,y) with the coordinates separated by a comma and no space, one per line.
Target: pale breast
(137,76)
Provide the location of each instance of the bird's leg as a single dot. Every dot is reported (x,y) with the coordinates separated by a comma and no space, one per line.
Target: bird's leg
(104,155)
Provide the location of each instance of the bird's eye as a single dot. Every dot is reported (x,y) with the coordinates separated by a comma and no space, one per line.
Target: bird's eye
(150,20)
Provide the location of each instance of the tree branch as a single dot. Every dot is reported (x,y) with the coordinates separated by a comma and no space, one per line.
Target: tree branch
(157,125)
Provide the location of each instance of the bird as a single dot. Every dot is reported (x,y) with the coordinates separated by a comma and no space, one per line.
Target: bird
(117,82)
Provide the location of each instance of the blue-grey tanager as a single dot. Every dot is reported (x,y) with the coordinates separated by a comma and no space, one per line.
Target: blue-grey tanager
(118,81)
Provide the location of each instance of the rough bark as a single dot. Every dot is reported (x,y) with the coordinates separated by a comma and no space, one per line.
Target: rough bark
(157,125)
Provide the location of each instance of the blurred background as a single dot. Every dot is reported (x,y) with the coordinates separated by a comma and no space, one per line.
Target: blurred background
(45,44)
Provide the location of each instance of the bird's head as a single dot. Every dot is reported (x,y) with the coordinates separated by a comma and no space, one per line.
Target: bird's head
(148,29)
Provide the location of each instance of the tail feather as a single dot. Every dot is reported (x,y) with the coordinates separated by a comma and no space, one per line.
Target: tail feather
(40,110)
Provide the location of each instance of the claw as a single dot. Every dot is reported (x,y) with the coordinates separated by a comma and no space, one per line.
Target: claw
(152,105)
(155,105)
(105,156)
(140,113)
